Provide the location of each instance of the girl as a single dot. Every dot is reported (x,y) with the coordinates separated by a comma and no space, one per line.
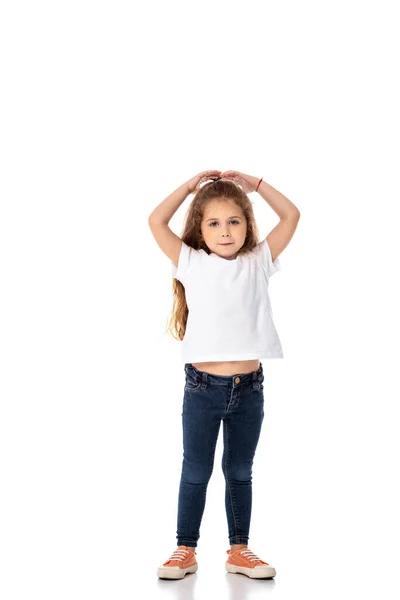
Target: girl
(222,315)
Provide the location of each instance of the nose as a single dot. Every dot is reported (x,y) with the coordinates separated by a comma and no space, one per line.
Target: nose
(225,232)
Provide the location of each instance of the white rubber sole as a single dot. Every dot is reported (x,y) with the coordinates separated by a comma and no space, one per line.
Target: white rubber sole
(253,572)
(175,572)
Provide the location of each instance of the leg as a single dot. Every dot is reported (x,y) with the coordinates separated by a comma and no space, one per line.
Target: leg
(200,423)
(242,427)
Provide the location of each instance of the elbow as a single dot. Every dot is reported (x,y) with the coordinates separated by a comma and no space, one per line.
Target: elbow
(293,214)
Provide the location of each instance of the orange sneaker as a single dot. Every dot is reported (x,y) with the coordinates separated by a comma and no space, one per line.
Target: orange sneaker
(181,561)
(246,562)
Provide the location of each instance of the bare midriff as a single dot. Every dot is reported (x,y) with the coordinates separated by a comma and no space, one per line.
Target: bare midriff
(231,367)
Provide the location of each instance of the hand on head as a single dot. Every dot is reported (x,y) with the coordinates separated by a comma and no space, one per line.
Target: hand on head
(194,183)
(248,183)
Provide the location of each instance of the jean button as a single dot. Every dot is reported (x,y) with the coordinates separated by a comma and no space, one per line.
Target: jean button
(237,379)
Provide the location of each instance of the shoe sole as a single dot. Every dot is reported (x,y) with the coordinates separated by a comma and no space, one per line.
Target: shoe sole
(254,572)
(175,573)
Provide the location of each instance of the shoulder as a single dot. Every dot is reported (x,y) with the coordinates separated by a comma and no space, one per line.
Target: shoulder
(187,259)
(262,253)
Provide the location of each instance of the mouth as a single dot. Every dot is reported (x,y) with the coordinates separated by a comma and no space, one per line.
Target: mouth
(228,244)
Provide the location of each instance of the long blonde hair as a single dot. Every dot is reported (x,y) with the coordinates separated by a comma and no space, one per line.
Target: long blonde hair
(221,189)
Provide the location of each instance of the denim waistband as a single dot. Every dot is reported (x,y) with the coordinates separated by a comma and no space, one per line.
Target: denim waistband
(224,379)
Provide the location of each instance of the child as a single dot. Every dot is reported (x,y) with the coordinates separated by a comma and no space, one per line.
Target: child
(222,315)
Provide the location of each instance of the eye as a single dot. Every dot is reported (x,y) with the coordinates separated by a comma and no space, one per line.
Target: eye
(231,221)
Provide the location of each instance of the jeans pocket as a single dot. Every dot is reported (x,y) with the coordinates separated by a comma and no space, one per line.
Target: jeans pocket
(192,382)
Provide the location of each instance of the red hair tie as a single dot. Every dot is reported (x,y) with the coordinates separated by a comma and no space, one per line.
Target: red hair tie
(259,183)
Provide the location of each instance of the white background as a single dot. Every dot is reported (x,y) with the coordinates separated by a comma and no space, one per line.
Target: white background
(106,108)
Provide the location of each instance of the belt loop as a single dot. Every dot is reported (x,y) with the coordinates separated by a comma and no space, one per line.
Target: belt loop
(204,380)
(255,381)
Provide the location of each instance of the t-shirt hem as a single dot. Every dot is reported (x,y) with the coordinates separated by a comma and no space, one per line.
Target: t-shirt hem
(228,357)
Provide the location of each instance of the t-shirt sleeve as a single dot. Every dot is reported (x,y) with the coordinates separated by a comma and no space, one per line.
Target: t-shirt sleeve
(264,253)
(187,258)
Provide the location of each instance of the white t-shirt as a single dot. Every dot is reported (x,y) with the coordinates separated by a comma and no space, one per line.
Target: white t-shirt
(230,316)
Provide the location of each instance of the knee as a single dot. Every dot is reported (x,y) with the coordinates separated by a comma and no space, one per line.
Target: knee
(241,472)
(196,472)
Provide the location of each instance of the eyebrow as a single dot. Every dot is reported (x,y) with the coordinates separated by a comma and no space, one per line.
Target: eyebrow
(216,219)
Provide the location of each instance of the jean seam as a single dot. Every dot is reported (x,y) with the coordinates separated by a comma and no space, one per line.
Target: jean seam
(197,534)
(209,477)
(233,505)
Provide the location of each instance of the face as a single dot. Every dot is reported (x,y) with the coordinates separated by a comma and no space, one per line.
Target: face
(223,222)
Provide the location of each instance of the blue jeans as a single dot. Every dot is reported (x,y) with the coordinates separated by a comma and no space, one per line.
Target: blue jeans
(239,401)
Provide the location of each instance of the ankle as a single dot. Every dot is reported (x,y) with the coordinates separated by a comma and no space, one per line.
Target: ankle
(235,547)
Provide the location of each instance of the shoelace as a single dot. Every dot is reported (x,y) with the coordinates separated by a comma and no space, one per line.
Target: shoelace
(250,555)
(179,555)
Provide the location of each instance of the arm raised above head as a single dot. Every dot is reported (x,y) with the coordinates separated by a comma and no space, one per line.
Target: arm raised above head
(277,201)
(164,212)
(167,240)
(280,236)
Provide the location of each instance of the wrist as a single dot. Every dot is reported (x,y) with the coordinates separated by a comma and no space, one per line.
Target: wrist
(257,186)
